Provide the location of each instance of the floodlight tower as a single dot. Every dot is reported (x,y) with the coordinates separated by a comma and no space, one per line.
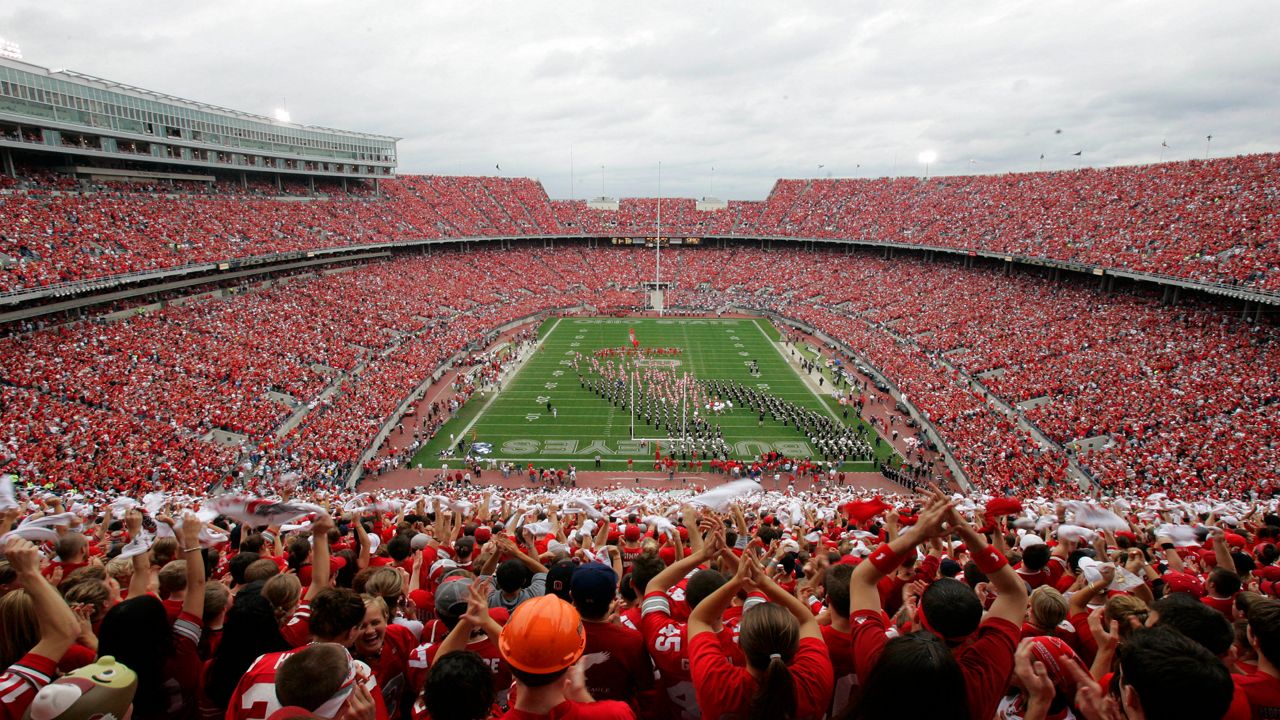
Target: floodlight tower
(927,157)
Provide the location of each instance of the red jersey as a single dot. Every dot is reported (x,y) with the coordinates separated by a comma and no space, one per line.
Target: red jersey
(391,667)
(840,650)
(725,690)
(664,639)
(297,632)
(421,658)
(255,695)
(20,683)
(630,618)
(986,661)
(615,662)
(182,671)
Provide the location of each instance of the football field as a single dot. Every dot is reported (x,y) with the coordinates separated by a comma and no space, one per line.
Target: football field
(516,425)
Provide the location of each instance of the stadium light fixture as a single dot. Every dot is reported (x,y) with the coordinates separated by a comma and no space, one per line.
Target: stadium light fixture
(927,157)
(281,114)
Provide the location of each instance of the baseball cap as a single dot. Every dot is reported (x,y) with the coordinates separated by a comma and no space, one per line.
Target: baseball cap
(632,533)
(1183,582)
(593,587)
(422,598)
(559,578)
(483,534)
(440,567)
(451,597)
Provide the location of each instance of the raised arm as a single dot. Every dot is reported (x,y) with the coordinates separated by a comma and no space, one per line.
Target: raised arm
(808,622)
(1011,603)
(706,616)
(320,528)
(671,574)
(509,546)
(58,624)
(140,581)
(193,603)
(863,594)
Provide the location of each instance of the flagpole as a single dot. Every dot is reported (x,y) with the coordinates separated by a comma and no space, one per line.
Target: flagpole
(657,270)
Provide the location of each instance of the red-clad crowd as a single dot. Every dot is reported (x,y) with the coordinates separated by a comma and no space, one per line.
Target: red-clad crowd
(1210,221)
(299,376)
(731,602)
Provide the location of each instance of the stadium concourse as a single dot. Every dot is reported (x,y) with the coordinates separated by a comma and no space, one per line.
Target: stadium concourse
(181,538)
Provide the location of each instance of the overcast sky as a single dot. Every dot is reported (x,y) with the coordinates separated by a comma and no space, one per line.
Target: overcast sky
(757,90)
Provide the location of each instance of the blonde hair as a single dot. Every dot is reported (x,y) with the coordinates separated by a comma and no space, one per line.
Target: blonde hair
(385,583)
(164,551)
(90,592)
(261,569)
(375,601)
(19,628)
(1123,607)
(283,591)
(172,578)
(1048,607)
(120,568)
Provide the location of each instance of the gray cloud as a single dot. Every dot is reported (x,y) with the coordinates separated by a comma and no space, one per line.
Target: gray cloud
(759,90)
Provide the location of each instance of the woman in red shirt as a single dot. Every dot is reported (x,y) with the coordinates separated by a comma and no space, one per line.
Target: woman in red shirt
(788,673)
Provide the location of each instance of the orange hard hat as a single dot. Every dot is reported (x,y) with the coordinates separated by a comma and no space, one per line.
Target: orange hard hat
(545,635)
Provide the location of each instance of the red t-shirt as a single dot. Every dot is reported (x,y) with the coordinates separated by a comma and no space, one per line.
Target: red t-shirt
(20,682)
(1263,693)
(1226,606)
(570,710)
(255,695)
(840,650)
(986,661)
(615,662)
(725,691)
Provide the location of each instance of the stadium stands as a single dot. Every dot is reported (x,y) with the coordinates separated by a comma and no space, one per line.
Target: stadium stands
(1114,370)
(1204,221)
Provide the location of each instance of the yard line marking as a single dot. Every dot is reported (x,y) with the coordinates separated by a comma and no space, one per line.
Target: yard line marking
(821,400)
(511,379)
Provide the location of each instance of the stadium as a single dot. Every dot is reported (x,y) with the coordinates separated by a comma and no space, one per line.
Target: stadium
(464,449)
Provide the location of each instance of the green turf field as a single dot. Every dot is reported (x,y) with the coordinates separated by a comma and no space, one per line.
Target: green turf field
(518,427)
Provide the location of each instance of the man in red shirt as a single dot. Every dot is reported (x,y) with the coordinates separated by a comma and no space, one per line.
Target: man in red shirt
(615,662)
(839,642)
(542,643)
(1263,687)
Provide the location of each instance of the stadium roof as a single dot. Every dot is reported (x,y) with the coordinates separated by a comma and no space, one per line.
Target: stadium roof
(103,83)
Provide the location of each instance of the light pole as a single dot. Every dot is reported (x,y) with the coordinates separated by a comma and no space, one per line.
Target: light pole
(927,157)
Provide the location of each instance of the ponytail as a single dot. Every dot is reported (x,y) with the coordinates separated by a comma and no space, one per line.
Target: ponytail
(769,638)
(775,698)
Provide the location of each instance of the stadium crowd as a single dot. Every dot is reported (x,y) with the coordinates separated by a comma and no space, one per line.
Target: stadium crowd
(303,373)
(733,602)
(1210,221)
